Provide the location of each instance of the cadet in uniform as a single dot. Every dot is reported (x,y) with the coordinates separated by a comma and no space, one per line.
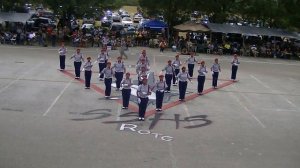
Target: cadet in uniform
(160,89)
(142,74)
(176,64)
(201,77)
(215,69)
(143,56)
(62,51)
(102,59)
(126,91)
(169,75)
(183,76)
(143,91)
(235,64)
(191,63)
(108,73)
(119,70)
(88,72)
(78,57)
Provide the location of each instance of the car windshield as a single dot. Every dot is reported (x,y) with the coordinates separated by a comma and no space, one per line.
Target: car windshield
(127,19)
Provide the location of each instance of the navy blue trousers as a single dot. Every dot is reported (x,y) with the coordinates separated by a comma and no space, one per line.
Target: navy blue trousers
(77,66)
(126,96)
(234,69)
(62,60)
(168,81)
(215,79)
(101,67)
(88,75)
(108,82)
(143,106)
(182,89)
(159,99)
(174,76)
(191,69)
(119,77)
(201,80)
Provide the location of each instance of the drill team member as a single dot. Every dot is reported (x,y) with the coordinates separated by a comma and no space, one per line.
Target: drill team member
(176,64)
(62,51)
(143,56)
(102,60)
(201,77)
(169,75)
(119,70)
(88,72)
(141,75)
(126,91)
(215,69)
(191,63)
(235,64)
(78,57)
(183,76)
(108,73)
(160,89)
(143,91)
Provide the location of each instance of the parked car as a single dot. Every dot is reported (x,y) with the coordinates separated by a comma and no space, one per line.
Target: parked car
(137,18)
(106,21)
(125,14)
(116,27)
(116,17)
(127,21)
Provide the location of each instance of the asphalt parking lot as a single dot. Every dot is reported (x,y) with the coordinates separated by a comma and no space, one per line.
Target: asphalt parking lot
(48,119)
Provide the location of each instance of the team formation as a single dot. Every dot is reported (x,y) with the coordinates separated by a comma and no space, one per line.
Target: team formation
(174,73)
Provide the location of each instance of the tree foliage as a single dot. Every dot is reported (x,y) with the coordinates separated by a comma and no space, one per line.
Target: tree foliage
(274,13)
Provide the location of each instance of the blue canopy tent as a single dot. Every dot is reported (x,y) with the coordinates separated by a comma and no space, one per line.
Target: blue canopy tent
(155,25)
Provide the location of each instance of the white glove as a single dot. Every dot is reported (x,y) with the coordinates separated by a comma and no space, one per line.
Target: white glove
(139,100)
(82,69)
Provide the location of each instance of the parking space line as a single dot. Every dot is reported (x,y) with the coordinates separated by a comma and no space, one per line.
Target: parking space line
(247,110)
(20,77)
(57,98)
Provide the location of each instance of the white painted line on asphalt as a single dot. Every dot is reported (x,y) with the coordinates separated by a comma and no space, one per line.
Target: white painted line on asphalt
(173,158)
(268,87)
(57,98)
(271,63)
(260,82)
(187,113)
(20,77)
(119,112)
(247,110)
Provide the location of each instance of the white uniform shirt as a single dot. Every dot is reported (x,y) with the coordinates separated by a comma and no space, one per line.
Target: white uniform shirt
(183,76)
(77,57)
(119,67)
(202,71)
(176,64)
(108,72)
(143,90)
(235,62)
(215,67)
(191,60)
(62,51)
(126,83)
(169,69)
(88,66)
(102,58)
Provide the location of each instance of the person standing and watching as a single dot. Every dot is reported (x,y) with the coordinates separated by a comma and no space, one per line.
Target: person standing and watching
(126,91)
(143,91)
(123,47)
(191,63)
(162,46)
(176,65)
(215,70)
(78,57)
(62,51)
(88,72)
(160,89)
(235,64)
(119,69)
(183,76)
(169,75)
(201,77)
(108,73)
